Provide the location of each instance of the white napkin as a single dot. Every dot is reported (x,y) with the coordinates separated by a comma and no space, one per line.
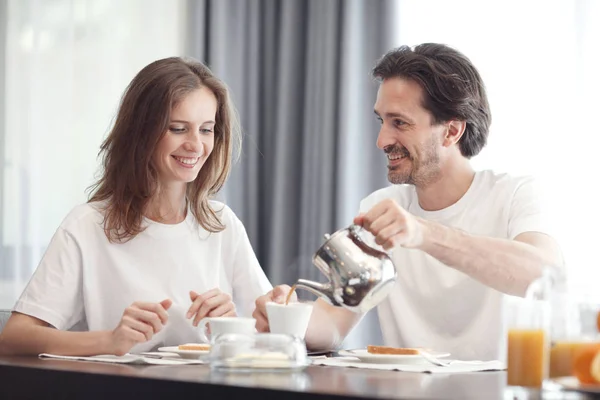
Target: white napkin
(127,359)
(456,366)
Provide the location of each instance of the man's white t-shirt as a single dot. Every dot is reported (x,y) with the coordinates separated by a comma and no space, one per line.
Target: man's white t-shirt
(84,280)
(438,307)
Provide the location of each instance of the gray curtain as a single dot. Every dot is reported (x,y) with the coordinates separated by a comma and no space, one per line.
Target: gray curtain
(299,75)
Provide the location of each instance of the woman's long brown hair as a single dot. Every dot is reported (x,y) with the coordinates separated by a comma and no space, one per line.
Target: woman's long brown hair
(129,177)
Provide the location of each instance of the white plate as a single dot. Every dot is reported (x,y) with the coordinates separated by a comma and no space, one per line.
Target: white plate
(364,356)
(193,354)
(571,383)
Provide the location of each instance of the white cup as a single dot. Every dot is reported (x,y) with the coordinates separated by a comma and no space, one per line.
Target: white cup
(291,319)
(220,325)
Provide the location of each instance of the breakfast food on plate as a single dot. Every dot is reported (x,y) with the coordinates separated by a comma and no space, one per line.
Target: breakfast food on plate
(392,350)
(194,346)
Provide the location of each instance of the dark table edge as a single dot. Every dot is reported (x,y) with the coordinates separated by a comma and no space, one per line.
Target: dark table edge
(27,382)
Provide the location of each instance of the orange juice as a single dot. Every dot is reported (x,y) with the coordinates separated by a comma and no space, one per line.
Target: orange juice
(527,357)
(562,355)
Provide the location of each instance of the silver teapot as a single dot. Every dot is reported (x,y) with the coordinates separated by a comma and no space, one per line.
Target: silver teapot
(360,276)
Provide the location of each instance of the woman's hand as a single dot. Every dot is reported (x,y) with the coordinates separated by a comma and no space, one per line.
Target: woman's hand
(213,303)
(277,295)
(139,323)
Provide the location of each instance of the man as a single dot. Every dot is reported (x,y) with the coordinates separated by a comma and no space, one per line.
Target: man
(460,239)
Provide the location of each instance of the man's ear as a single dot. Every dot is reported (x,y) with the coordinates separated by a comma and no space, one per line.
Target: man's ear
(454,131)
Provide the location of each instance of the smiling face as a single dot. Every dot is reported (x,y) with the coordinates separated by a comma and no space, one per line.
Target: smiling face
(413,145)
(189,139)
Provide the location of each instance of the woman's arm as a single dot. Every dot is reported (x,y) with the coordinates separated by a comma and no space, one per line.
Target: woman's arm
(27,335)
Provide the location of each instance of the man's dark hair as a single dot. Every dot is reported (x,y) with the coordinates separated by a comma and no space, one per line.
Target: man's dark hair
(452,87)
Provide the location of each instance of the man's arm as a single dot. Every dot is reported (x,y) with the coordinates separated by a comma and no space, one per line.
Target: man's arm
(328,325)
(505,265)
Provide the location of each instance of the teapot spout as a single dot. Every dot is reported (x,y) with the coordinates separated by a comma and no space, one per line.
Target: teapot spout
(322,290)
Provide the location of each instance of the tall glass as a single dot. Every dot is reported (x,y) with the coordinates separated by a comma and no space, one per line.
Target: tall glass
(574,320)
(528,357)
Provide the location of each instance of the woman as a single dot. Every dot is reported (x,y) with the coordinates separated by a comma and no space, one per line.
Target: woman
(149,255)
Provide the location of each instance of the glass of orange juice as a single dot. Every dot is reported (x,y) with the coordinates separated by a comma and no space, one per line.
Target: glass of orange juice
(563,352)
(528,344)
(574,320)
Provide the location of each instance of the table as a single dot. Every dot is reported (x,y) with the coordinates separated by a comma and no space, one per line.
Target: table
(31,377)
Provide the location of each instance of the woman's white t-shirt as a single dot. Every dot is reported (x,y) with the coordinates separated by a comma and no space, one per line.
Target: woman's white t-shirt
(84,280)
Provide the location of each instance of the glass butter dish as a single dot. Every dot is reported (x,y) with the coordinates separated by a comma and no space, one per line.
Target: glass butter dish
(259,352)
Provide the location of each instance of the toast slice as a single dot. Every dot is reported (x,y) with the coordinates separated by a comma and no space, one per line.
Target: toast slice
(194,346)
(392,350)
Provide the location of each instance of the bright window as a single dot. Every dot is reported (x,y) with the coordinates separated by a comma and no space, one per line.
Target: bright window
(67,64)
(540,61)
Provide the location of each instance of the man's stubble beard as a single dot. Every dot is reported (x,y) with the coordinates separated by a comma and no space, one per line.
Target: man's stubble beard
(420,174)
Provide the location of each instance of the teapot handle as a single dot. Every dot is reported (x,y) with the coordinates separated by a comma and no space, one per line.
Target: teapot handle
(355,229)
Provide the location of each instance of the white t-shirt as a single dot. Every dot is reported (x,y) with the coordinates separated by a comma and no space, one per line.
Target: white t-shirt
(83,279)
(438,307)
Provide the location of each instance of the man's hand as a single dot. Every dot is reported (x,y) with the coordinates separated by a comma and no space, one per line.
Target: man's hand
(392,225)
(140,321)
(277,295)
(213,303)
